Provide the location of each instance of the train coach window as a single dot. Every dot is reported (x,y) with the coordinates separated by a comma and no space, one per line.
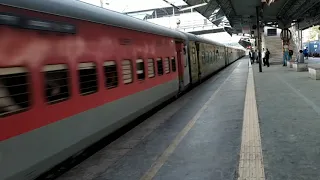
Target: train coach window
(14,94)
(151,68)
(166,65)
(111,75)
(160,66)
(56,83)
(174,66)
(127,71)
(212,57)
(207,57)
(203,57)
(194,56)
(88,78)
(140,69)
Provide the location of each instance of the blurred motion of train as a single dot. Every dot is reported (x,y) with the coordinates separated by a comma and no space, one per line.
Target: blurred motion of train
(72,73)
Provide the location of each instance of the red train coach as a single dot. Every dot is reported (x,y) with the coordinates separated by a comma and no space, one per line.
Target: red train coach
(72,73)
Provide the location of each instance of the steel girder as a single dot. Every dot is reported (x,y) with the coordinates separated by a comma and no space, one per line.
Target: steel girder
(211,7)
(227,9)
(304,8)
(209,11)
(294,9)
(308,22)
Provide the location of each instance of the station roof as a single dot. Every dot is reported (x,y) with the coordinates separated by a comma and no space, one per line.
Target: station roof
(241,14)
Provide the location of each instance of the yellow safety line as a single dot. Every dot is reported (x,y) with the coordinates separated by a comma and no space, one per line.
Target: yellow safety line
(251,159)
(174,144)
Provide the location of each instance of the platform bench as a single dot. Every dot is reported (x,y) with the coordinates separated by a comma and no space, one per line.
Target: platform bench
(299,67)
(314,71)
(290,64)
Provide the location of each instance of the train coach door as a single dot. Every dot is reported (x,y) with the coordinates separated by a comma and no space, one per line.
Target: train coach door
(186,71)
(199,61)
(180,60)
(227,56)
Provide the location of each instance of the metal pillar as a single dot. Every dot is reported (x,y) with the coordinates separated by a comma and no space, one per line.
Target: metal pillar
(300,37)
(259,37)
(301,46)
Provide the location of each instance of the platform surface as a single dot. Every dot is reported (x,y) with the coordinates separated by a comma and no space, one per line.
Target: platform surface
(238,125)
(196,137)
(289,113)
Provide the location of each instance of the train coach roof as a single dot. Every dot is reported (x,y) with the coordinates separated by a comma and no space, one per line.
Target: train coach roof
(192,37)
(205,40)
(234,47)
(80,10)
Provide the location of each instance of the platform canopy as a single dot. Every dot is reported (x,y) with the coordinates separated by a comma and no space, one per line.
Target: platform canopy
(241,14)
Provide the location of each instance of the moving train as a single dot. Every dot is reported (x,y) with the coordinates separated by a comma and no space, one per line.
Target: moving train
(72,73)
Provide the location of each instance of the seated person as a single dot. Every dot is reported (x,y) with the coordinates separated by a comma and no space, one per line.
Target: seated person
(300,57)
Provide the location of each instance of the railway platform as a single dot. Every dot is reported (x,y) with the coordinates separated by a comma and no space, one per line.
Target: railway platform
(289,110)
(239,124)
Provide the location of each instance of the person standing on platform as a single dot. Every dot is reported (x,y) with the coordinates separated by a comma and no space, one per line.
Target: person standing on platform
(267,56)
(290,54)
(263,57)
(252,56)
(256,56)
(285,54)
(305,52)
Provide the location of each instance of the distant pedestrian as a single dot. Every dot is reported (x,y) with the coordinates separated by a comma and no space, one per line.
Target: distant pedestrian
(285,54)
(251,55)
(263,57)
(290,54)
(256,56)
(267,56)
(305,52)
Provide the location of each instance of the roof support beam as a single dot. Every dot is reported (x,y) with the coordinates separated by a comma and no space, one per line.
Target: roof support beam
(293,9)
(171,4)
(217,21)
(303,8)
(192,7)
(310,22)
(227,9)
(211,7)
(211,11)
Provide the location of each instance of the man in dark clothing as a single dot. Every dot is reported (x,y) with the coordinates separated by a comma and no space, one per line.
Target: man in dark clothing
(290,54)
(252,56)
(267,56)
